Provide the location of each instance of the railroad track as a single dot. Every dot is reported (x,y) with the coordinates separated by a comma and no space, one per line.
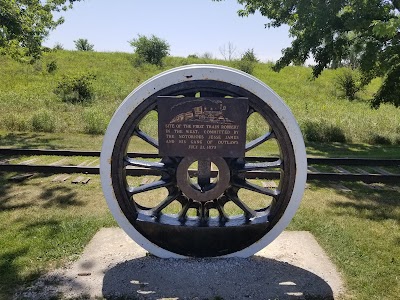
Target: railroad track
(87,162)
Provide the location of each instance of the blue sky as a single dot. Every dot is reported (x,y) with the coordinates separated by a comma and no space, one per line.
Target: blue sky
(190,27)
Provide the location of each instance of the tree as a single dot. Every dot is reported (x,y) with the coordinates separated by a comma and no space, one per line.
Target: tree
(58,46)
(247,61)
(366,32)
(25,24)
(228,51)
(152,50)
(249,55)
(83,45)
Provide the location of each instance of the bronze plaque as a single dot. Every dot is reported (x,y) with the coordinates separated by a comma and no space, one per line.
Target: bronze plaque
(202,127)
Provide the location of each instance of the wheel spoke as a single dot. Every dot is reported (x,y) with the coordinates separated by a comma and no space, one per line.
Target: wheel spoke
(258,141)
(204,212)
(244,184)
(149,187)
(144,164)
(250,111)
(167,201)
(219,206)
(184,210)
(248,212)
(145,137)
(260,166)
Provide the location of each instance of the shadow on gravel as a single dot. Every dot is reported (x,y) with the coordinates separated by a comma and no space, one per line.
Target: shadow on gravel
(253,278)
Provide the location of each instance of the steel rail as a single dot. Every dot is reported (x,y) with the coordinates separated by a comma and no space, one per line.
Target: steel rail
(321,176)
(53,152)
(310,160)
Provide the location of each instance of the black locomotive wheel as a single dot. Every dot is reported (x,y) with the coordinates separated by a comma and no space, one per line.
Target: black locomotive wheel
(214,215)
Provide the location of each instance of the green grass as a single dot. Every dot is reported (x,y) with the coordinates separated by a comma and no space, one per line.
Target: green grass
(41,140)
(316,103)
(28,101)
(360,232)
(352,150)
(45,225)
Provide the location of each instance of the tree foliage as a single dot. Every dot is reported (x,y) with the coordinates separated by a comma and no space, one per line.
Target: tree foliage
(366,32)
(152,50)
(247,61)
(24,24)
(349,83)
(249,55)
(83,45)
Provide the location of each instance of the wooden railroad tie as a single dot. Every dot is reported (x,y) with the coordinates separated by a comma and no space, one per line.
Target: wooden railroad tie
(21,177)
(81,179)
(147,180)
(269,184)
(341,170)
(341,188)
(312,169)
(61,178)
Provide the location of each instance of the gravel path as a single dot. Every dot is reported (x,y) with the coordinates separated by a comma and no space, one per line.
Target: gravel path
(114,267)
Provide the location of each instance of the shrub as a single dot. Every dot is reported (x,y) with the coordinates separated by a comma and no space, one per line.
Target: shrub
(83,45)
(207,55)
(349,83)
(137,61)
(322,131)
(76,89)
(152,50)
(377,139)
(247,62)
(245,66)
(249,55)
(43,121)
(51,66)
(58,46)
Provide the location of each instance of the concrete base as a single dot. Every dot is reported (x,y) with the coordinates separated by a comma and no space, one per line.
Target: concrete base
(113,266)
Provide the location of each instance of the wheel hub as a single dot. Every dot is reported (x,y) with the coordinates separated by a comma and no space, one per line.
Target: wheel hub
(204,189)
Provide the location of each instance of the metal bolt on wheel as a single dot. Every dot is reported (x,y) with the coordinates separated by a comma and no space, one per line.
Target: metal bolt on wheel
(203,205)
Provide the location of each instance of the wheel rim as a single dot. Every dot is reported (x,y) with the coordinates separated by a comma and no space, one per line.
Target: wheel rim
(202,234)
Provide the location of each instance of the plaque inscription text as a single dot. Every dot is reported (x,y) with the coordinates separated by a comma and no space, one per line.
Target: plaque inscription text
(202,127)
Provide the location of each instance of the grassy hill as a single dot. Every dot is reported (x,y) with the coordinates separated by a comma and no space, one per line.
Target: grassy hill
(46,224)
(28,101)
